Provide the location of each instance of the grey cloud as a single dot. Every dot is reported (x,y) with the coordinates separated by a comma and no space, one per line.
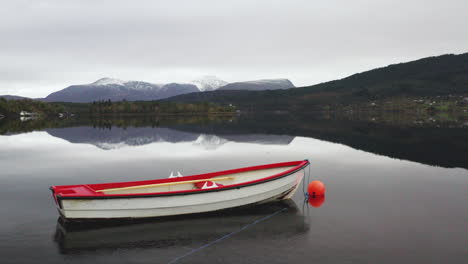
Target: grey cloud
(49,44)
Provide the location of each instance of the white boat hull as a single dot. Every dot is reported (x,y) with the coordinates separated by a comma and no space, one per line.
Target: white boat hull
(280,188)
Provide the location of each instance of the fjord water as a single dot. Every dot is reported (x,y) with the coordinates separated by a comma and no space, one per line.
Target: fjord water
(394,194)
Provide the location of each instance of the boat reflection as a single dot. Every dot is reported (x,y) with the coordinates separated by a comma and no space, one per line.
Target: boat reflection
(281,219)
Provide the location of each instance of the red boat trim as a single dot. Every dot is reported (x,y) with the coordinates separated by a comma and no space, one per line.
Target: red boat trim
(300,166)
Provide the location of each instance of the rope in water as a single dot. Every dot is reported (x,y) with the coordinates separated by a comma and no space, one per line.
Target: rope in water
(227,235)
(308,180)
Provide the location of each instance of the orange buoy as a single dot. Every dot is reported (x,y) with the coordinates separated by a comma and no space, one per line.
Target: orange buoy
(316,201)
(316,188)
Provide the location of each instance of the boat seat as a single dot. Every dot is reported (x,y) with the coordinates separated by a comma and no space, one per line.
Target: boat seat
(77,190)
(207,185)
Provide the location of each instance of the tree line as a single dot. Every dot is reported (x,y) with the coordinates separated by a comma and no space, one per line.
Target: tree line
(14,107)
(156,107)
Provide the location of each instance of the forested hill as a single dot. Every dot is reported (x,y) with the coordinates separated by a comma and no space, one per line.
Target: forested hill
(432,76)
(429,76)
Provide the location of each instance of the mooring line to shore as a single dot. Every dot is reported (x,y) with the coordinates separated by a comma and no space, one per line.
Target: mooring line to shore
(227,236)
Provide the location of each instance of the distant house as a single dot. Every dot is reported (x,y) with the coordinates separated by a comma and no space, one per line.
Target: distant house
(24,113)
(66,114)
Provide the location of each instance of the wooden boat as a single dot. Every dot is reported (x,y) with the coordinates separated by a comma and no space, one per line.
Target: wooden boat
(181,195)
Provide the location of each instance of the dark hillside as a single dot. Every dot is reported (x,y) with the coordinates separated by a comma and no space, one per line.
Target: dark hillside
(433,76)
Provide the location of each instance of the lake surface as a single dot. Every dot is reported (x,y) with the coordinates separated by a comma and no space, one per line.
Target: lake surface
(394,194)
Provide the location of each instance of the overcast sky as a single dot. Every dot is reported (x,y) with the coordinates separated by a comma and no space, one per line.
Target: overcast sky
(46,45)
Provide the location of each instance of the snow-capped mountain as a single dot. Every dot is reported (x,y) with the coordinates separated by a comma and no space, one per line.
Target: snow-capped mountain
(108,81)
(118,90)
(259,85)
(208,83)
(139,85)
(135,85)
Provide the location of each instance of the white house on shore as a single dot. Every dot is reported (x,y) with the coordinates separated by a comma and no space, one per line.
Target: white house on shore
(24,113)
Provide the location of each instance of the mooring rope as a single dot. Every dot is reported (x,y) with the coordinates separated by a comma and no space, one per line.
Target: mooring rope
(227,235)
(304,182)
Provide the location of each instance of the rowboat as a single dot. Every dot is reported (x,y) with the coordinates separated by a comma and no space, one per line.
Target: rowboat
(181,195)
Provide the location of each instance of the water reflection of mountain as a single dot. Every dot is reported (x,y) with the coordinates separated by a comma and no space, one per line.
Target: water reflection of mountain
(117,137)
(438,145)
(435,144)
(182,231)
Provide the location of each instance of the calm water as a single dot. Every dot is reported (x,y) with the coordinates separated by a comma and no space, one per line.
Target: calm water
(393,194)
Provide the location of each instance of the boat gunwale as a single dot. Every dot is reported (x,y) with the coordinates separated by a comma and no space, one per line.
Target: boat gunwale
(299,166)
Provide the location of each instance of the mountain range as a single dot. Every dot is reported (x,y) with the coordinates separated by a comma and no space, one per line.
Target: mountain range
(259,85)
(431,76)
(118,90)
